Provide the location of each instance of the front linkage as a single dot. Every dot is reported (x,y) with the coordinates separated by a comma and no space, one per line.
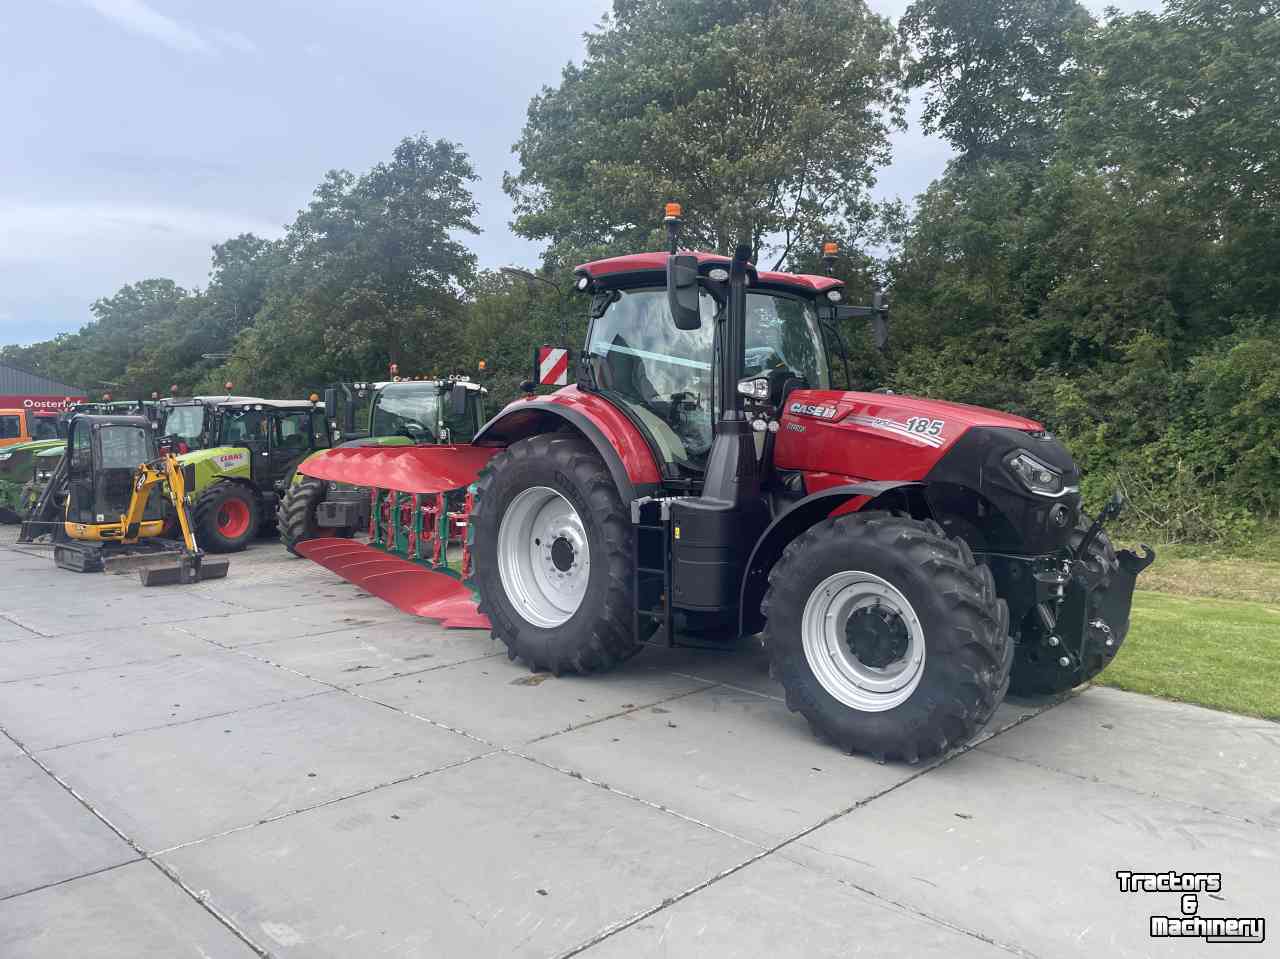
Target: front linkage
(1079,616)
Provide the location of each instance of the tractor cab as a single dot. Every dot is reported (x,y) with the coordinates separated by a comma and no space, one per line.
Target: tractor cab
(662,376)
(103,454)
(407,412)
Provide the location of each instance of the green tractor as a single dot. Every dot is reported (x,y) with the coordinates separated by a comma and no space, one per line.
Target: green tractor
(238,454)
(48,431)
(397,412)
(406,412)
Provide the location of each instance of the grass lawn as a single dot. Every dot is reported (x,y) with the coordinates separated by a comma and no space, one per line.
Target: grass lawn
(1219,653)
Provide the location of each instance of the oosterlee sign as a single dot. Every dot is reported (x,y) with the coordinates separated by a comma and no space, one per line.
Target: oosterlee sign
(38,404)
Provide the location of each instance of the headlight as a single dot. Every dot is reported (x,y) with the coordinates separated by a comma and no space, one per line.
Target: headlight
(1036,476)
(757,389)
(4,456)
(44,476)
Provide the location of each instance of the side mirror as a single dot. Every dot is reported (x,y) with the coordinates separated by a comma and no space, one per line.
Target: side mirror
(682,291)
(331,403)
(457,401)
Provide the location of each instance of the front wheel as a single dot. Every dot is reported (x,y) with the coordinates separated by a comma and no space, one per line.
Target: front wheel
(887,636)
(553,556)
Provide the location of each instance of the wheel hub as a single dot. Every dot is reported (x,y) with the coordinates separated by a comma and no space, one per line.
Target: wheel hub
(863,641)
(877,636)
(543,557)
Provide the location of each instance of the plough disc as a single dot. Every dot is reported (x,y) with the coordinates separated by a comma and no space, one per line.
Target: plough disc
(407,586)
(405,469)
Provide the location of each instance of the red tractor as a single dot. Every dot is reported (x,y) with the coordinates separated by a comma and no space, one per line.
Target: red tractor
(905,560)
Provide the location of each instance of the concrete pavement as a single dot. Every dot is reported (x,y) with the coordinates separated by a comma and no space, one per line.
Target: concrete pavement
(277,764)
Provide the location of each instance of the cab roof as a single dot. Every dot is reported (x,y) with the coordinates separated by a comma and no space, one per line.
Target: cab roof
(635,267)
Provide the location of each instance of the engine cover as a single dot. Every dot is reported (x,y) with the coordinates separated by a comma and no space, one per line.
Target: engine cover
(878,436)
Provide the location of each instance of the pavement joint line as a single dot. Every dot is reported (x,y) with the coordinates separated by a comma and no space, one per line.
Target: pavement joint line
(350,691)
(91,669)
(624,712)
(574,774)
(142,854)
(419,672)
(185,722)
(927,768)
(1095,781)
(35,633)
(734,687)
(412,777)
(63,882)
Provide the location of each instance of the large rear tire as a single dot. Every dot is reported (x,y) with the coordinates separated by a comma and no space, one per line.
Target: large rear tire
(554,557)
(1037,670)
(226,517)
(887,636)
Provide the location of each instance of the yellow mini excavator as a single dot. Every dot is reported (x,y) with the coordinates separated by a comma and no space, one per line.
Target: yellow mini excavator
(111,521)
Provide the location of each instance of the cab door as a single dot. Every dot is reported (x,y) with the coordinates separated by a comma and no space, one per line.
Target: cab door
(80,492)
(294,436)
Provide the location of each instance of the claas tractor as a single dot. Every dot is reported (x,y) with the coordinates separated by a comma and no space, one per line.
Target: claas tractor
(238,454)
(110,519)
(903,560)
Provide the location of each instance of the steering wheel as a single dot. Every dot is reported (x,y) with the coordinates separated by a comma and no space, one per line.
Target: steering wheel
(414,431)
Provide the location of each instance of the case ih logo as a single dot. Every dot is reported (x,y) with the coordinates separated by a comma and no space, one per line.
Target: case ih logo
(822,412)
(553,366)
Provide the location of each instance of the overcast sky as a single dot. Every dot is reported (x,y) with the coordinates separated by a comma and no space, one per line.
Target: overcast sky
(137,133)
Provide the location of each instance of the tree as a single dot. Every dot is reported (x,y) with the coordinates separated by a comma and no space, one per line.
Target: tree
(996,71)
(367,275)
(766,118)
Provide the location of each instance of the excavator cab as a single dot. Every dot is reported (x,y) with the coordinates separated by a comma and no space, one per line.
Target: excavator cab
(103,454)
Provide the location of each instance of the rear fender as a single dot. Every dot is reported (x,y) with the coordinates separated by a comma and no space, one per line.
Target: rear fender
(621,445)
(805,513)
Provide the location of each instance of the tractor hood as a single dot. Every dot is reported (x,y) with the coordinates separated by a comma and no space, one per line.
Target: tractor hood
(879,435)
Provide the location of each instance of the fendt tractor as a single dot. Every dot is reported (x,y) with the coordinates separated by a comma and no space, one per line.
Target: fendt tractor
(904,560)
(238,454)
(395,412)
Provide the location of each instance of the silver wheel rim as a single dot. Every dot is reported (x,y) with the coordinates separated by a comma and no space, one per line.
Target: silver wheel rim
(543,557)
(869,687)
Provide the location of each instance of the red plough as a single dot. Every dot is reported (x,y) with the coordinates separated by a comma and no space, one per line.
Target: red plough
(418,554)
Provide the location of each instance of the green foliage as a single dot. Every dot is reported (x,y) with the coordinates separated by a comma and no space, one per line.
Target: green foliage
(765,118)
(997,71)
(1122,281)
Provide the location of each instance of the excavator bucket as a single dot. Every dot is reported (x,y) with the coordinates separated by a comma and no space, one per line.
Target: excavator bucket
(418,555)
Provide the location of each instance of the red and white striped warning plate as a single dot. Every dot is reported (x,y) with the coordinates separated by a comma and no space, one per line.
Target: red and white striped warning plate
(553,366)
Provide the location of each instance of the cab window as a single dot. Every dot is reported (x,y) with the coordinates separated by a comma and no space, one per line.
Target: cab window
(10,427)
(45,428)
(300,431)
(244,426)
(123,447)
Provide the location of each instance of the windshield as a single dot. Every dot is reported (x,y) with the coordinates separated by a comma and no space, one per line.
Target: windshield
(45,428)
(185,422)
(407,410)
(123,447)
(663,375)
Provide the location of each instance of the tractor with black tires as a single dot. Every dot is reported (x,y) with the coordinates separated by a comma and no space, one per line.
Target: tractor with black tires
(238,455)
(395,412)
(904,561)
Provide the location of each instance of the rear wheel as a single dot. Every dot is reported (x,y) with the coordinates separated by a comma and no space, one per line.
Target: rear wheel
(887,636)
(554,556)
(226,517)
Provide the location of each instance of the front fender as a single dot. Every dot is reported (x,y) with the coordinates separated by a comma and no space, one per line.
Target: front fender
(806,512)
(620,444)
